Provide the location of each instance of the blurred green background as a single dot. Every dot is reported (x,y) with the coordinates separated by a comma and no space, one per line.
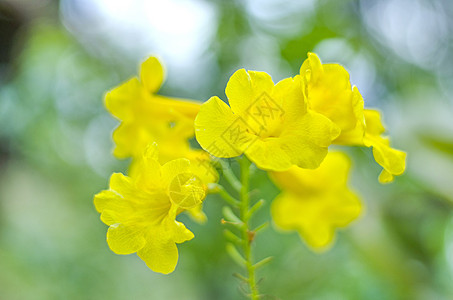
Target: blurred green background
(57,58)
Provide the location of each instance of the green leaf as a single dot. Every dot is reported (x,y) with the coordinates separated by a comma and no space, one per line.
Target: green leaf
(235,255)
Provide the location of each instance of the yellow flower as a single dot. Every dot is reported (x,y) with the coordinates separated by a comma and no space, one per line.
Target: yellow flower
(141,210)
(328,91)
(147,117)
(316,202)
(267,122)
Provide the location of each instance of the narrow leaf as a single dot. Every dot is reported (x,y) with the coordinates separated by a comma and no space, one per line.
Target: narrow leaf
(232,237)
(262,262)
(235,255)
(230,216)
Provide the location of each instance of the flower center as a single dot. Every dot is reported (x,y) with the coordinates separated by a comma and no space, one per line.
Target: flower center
(186,190)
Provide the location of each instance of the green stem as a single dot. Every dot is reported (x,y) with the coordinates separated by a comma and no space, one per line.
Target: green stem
(241,222)
(247,235)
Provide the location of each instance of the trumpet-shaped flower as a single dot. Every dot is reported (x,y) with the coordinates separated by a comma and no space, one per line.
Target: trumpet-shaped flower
(147,117)
(141,210)
(267,122)
(315,202)
(328,91)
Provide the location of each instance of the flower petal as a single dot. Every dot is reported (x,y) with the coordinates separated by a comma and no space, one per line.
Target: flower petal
(181,234)
(293,104)
(268,154)
(152,74)
(219,131)
(160,252)
(201,166)
(244,88)
(178,107)
(102,199)
(147,170)
(173,168)
(130,139)
(303,143)
(311,68)
(113,207)
(160,255)
(385,177)
(123,100)
(355,135)
(122,185)
(315,216)
(392,160)
(332,173)
(186,190)
(125,239)
(197,214)
(329,92)
(315,202)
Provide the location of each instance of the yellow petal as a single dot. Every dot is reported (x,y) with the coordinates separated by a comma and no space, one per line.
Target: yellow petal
(181,234)
(392,160)
(315,202)
(311,68)
(219,131)
(268,154)
(113,207)
(152,74)
(146,171)
(102,199)
(197,214)
(151,152)
(186,190)
(160,252)
(173,168)
(315,216)
(124,99)
(125,239)
(354,136)
(289,92)
(373,122)
(385,177)
(122,185)
(200,165)
(303,144)
(332,173)
(183,107)
(328,90)
(125,202)
(131,139)
(244,88)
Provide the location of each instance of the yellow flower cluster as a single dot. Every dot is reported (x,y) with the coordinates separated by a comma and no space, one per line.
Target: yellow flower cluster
(294,121)
(284,128)
(270,123)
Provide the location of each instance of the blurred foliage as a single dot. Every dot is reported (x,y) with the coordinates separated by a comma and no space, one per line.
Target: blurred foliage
(56,154)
